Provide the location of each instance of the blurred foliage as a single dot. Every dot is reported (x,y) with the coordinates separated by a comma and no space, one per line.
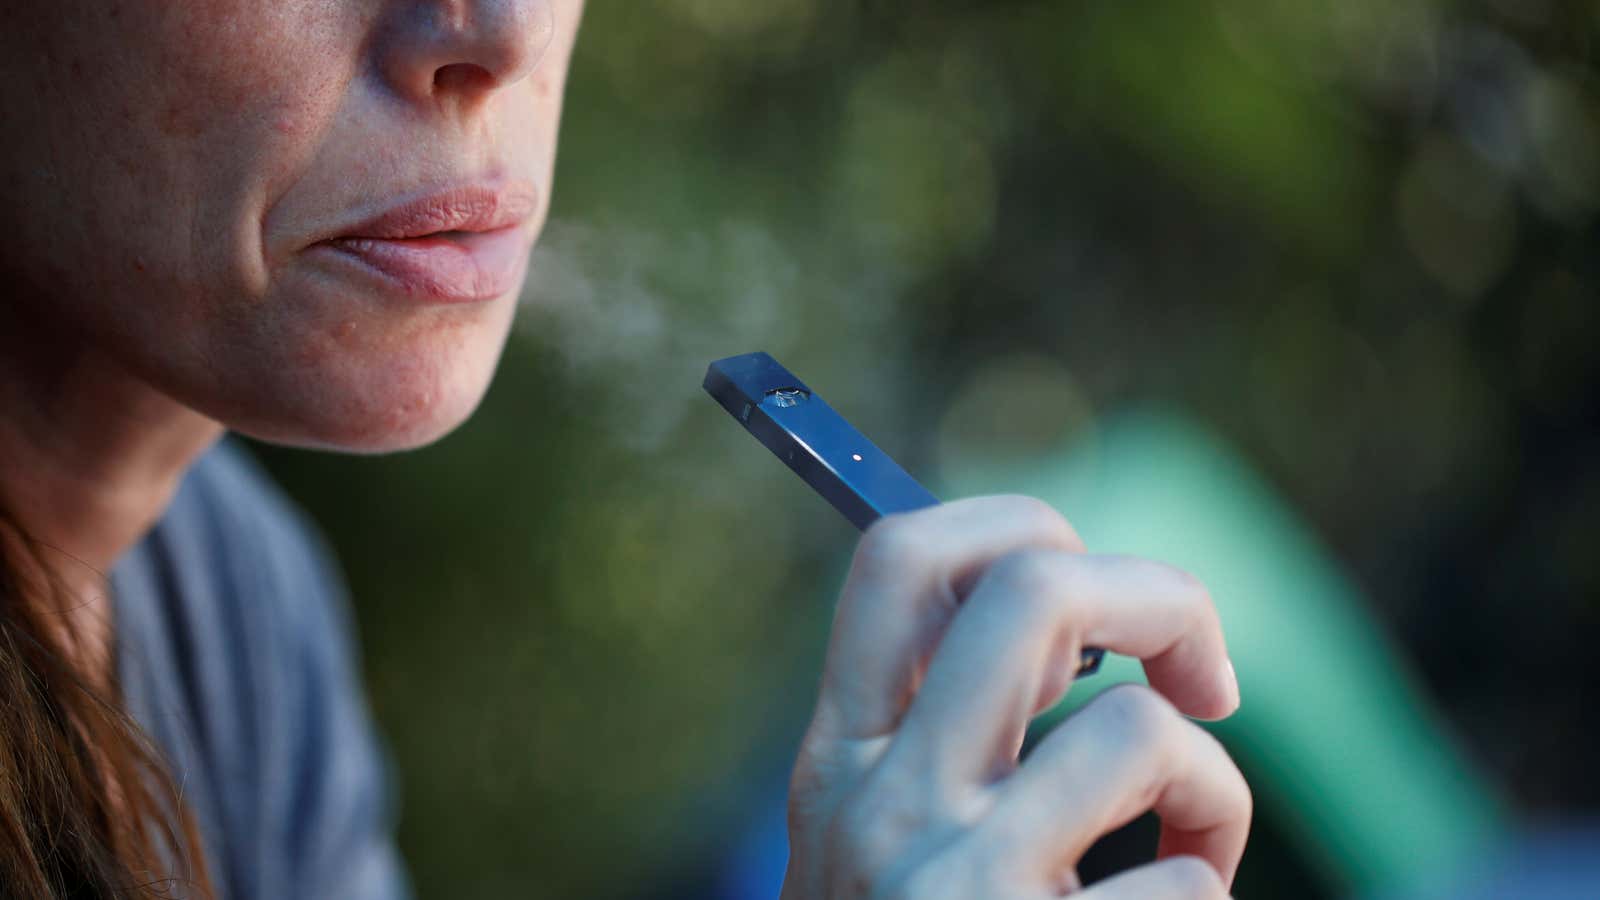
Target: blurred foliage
(1356,238)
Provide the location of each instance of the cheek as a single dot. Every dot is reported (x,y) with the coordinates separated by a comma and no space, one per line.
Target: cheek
(145,138)
(269,65)
(222,105)
(250,92)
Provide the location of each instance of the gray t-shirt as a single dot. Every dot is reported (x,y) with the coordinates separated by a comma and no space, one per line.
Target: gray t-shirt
(236,656)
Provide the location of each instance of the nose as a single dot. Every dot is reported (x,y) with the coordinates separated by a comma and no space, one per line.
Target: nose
(462,50)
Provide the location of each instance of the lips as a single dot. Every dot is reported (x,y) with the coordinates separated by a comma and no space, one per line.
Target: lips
(461,245)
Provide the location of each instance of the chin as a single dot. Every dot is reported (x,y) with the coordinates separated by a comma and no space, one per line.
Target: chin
(368,418)
(382,394)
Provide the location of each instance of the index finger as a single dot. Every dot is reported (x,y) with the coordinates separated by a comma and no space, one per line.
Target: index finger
(1002,658)
(909,574)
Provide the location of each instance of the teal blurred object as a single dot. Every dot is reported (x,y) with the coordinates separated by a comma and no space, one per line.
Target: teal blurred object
(1340,742)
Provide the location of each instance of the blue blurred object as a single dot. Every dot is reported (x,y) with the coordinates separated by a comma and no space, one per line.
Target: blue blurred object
(1548,864)
(756,865)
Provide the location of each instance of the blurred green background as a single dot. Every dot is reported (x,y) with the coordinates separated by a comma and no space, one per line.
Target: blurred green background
(1353,241)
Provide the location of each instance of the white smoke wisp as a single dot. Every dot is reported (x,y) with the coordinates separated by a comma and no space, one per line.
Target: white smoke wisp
(645,311)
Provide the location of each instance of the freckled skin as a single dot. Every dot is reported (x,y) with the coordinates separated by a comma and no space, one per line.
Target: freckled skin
(167,164)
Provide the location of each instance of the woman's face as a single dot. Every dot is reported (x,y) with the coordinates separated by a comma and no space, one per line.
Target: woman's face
(308,219)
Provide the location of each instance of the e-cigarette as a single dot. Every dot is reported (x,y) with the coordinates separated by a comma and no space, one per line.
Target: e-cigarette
(826,451)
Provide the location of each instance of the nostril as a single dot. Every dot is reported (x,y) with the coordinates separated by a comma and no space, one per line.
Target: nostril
(462,77)
(465,49)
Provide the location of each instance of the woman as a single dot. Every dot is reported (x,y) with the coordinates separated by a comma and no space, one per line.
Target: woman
(307,221)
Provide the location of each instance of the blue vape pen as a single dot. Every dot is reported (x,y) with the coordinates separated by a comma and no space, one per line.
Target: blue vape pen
(827,452)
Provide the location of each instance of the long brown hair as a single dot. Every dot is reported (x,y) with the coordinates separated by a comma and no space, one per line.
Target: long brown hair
(87,808)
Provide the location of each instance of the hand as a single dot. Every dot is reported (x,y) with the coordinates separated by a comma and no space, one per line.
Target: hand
(957,625)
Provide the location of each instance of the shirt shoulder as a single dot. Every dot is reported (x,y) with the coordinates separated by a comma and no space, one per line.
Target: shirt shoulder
(238,657)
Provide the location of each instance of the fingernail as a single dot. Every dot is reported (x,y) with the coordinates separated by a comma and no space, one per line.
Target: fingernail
(1233,684)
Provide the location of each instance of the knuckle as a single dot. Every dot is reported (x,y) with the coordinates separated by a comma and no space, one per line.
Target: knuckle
(1137,714)
(997,851)
(895,543)
(960,869)
(926,882)
(1046,520)
(1192,876)
(1189,591)
(869,832)
(1181,580)
(1240,796)
(1033,577)
(857,841)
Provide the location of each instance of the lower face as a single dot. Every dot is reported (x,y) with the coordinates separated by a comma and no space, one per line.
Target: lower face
(256,209)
